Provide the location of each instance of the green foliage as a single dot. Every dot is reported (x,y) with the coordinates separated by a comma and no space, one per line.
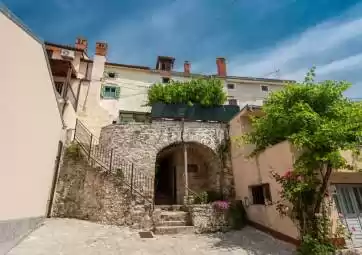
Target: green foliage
(73,151)
(213,196)
(310,245)
(205,91)
(201,198)
(237,216)
(319,121)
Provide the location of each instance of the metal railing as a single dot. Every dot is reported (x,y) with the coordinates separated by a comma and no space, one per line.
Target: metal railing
(110,160)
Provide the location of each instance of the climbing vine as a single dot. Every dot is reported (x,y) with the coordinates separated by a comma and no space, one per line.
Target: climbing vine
(203,91)
(320,122)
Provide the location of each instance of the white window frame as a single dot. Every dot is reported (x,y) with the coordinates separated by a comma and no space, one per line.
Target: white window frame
(263,85)
(237,101)
(233,85)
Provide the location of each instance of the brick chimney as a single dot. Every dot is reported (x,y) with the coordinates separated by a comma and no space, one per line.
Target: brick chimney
(221,67)
(101,48)
(187,67)
(81,43)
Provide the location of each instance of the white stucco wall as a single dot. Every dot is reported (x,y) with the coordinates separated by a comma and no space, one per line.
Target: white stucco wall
(30,124)
(249,92)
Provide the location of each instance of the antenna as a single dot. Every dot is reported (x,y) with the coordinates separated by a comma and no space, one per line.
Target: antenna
(275,73)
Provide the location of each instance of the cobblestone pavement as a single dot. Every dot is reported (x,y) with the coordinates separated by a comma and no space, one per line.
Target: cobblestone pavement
(68,237)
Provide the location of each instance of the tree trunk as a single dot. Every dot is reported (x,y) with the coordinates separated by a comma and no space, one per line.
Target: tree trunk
(323,189)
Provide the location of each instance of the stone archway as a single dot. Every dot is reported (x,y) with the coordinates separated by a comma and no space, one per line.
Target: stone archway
(203,171)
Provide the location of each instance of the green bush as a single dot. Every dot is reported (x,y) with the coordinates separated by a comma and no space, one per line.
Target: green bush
(237,216)
(73,151)
(213,196)
(310,245)
(201,198)
(205,91)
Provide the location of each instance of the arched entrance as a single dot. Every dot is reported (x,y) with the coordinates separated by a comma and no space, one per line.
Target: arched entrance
(203,168)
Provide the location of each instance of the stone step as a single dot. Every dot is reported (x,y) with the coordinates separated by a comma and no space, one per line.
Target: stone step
(174,230)
(170,207)
(173,223)
(174,216)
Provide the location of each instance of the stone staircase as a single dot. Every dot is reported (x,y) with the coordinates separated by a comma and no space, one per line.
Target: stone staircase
(173,219)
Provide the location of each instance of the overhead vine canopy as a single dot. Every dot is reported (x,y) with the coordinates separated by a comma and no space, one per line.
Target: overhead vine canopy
(204,91)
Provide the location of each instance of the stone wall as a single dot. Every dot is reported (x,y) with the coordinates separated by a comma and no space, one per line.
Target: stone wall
(140,143)
(206,219)
(86,192)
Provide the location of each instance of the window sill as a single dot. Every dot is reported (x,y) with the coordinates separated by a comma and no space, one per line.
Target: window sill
(109,98)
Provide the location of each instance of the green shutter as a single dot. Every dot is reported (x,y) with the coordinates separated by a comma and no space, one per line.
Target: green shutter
(103,88)
(118,92)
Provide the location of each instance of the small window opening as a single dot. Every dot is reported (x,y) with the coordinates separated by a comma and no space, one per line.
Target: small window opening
(264,88)
(165,80)
(261,194)
(231,86)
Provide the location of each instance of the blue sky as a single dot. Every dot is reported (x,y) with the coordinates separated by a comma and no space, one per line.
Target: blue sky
(257,37)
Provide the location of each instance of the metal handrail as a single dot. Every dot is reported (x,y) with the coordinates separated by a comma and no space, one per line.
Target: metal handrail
(110,160)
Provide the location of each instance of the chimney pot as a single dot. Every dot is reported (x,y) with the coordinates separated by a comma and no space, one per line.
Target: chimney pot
(81,43)
(101,48)
(187,67)
(221,67)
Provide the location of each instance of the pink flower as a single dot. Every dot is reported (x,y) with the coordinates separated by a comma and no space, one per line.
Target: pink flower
(287,174)
(340,215)
(223,205)
(353,229)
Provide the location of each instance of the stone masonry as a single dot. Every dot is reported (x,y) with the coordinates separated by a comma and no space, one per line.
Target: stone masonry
(140,143)
(85,192)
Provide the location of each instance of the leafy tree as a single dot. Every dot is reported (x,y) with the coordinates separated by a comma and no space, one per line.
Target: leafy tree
(204,91)
(320,121)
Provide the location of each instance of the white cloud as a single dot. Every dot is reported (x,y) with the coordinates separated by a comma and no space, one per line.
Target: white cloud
(313,43)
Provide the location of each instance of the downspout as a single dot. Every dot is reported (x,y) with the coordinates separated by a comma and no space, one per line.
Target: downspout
(54,181)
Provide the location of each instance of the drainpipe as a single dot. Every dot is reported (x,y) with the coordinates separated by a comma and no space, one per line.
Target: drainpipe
(54,181)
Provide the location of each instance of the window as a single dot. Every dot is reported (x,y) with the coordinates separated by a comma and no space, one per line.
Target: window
(192,168)
(59,87)
(112,75)
(231,86)
(125,117)
(261,194)
(233,102)
(110,92)
(165,80)
(264,88)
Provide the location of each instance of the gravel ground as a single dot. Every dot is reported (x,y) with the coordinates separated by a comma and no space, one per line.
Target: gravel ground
(76,237)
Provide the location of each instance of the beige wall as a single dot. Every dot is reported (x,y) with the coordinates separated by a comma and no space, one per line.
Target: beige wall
(256,170)
(31,125)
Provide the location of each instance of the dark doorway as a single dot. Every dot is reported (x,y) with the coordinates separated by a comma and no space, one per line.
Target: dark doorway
(165,184)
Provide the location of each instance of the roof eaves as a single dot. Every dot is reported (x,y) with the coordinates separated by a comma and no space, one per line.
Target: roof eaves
(68,47)
(128,66)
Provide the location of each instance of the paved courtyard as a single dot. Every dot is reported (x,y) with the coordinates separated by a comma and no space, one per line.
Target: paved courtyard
(76,237)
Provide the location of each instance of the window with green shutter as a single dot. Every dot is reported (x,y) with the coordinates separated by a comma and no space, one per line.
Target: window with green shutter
(110,91)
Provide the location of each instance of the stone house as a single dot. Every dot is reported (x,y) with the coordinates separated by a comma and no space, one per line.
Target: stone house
(254,184)
(99,92)
(145,165)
